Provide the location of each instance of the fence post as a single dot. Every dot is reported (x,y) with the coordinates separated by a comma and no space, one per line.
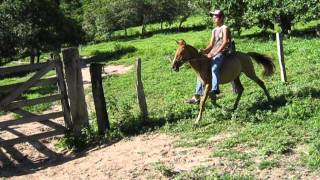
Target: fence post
(74,82)
(98,97)
(281,58)
(63,91)
(140,92)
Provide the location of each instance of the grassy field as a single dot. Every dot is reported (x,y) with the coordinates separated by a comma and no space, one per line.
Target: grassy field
(257,136)
(254,131)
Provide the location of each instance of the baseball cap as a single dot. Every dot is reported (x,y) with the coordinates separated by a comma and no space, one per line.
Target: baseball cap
(218,13)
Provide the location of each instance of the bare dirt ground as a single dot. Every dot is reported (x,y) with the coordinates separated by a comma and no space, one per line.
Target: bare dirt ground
(136,157)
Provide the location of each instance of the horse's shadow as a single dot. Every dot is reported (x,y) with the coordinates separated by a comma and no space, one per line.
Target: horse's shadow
(284,99)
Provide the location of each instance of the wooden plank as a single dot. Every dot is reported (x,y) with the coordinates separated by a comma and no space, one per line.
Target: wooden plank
(32,102)
(99,99)
(31,138)
(13,95)
(36,144)
(41,82)
(30,119)
(23,69)
(47,122)
(74,82)
(63,92)
(140,92)
(16,155)
(281,58)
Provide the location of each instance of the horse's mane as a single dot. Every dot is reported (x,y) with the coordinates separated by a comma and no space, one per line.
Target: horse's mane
(195,51)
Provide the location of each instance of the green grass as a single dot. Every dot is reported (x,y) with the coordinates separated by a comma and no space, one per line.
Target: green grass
(293,118)
(268,164)
(207,173)
(200,172)
(33,93)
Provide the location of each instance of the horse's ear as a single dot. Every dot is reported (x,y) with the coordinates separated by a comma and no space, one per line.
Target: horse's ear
(177,42)
(183,42)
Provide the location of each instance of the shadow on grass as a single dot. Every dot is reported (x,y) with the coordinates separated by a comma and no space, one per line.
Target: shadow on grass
(159,31)
(283,100)
(136,126)
(99,56)
(308,33)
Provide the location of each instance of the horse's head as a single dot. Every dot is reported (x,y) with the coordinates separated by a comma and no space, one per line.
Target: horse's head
(182,55)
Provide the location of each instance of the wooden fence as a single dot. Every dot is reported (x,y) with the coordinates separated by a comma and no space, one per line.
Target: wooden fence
(69,81)
(11,98)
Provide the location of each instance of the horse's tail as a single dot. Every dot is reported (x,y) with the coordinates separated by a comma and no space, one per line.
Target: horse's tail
(265,61)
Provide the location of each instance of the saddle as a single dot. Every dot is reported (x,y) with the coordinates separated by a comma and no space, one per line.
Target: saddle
(231,49)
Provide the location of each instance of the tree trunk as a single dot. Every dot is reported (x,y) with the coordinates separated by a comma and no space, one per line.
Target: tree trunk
(32,55)
(182,20)
(143,29)
(285,23)
(125,32)
(161,25)
(32,59)
(38,56)
(239,32)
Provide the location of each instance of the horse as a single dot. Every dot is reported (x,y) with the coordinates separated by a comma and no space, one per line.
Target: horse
(232,67)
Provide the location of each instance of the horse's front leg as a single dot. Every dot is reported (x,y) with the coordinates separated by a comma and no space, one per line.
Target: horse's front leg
(202,102)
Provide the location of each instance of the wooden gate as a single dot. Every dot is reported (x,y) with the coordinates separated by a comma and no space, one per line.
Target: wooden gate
(10,99)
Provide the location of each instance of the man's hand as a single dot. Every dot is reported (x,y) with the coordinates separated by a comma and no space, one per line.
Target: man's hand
(201,51)
(210,55)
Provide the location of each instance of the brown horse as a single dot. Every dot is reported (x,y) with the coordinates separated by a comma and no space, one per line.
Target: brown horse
(231,70)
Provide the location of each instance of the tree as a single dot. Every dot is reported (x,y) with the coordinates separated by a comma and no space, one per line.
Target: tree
(72,9)
(125,13)
(37,26)
(185,8)
(102,23)
(267,13)
(165,11)
(146,13)
(234,11)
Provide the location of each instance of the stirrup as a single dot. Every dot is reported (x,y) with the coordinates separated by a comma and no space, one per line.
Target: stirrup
(193,101)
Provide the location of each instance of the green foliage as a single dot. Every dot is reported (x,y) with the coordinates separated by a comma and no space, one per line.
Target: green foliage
(35,26)
(207,173)
(267,14)
(165,170)
(268,164)
(87,137)
(110,16)
(234,12)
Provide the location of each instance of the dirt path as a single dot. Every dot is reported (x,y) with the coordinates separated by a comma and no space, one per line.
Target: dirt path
(141,157)
(42,150)
(132,158)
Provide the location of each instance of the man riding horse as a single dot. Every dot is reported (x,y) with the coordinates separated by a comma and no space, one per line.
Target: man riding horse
(213,67)
(219,45)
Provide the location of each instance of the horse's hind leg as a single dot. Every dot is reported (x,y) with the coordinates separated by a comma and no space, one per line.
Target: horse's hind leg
(239,89)
(256,79)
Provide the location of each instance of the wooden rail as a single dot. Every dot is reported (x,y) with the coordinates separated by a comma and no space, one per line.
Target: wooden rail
(32,102)
(5,101)
(30,119)
(41,82)
(31,137)
(15,71)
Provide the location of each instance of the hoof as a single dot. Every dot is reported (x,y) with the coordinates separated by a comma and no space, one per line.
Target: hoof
(195,125)
(228,110)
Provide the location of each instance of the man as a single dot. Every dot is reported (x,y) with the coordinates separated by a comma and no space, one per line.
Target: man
(219,44)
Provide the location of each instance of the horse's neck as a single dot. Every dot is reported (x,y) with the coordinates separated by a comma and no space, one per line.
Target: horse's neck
(200,64)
